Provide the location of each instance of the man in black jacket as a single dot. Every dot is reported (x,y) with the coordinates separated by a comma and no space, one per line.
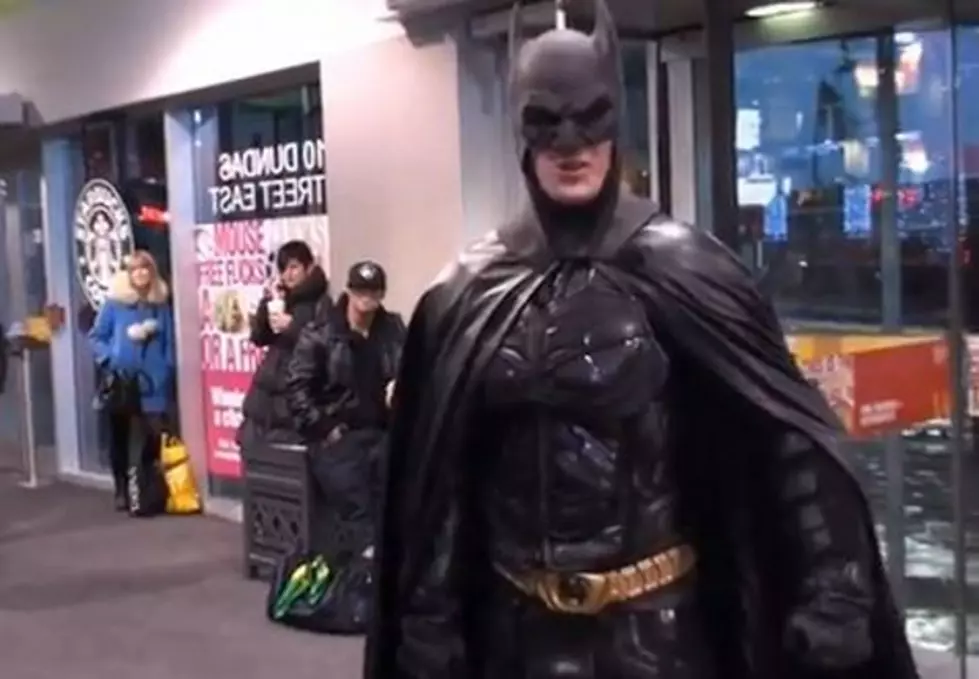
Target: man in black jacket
(338,386)
(290,302)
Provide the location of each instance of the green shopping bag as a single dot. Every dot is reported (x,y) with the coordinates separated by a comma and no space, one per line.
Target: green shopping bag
(309,594)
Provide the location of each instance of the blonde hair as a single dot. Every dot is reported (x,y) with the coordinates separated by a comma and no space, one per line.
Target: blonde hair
(122,289)
(143,259)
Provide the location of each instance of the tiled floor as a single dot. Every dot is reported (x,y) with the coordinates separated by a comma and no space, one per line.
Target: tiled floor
(88,594)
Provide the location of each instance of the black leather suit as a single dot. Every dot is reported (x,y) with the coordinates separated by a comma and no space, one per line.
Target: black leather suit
(581,478)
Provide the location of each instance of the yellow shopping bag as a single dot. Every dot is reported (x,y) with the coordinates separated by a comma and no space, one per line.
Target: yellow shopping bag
(182,495)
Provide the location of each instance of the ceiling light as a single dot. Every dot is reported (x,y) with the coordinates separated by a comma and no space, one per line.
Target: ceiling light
(779,8)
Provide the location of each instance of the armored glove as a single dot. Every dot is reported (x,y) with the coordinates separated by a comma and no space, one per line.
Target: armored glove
(831,629)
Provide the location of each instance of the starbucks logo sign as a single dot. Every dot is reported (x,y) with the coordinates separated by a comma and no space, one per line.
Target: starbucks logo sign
(103,238)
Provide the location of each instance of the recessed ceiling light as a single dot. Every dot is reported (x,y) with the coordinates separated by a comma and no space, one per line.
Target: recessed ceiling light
(779,8)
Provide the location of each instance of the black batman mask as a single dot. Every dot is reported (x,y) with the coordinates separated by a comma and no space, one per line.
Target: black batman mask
(566,94)
(565,86)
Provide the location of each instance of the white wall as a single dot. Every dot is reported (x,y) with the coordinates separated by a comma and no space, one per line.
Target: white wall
(72,57)
(393,152)
(492,185)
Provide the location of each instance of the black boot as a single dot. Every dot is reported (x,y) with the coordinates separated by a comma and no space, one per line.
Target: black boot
(119,426)
(120,500)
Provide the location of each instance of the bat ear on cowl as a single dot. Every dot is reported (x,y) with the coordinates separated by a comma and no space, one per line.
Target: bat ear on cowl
(604,36)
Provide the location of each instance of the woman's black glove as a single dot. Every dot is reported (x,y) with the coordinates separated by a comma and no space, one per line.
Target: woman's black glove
(831,629)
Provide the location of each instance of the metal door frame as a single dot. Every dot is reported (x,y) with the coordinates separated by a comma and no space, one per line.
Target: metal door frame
(14,238)
(15,302)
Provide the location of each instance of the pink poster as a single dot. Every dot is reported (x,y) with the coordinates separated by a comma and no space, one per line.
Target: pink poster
(234,261)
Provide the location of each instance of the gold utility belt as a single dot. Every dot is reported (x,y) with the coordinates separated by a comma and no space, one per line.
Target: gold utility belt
(589,593)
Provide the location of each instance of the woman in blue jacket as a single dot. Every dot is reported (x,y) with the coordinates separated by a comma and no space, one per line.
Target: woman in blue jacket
(133,338)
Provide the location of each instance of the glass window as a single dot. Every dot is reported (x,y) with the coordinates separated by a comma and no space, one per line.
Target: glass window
(259,181)
(144,188)
(636,156)
(820,143)
(260,157)
(846,165)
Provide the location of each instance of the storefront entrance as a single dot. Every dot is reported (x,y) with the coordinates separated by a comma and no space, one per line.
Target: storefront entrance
(113,166)
(210,192)
(126,156)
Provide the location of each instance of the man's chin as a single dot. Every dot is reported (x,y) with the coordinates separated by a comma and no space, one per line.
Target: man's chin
(575,195)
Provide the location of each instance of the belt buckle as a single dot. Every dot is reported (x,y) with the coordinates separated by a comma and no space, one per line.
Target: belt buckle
(573,593)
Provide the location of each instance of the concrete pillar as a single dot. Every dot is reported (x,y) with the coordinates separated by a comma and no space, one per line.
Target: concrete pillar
(682,129)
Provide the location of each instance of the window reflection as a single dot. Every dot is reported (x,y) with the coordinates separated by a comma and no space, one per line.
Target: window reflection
(848,169)
(813,158)
(260,157)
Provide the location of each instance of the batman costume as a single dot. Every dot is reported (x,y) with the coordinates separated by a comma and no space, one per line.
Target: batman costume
(605,463)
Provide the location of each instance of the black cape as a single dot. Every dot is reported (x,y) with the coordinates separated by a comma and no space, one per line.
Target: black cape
(706,310)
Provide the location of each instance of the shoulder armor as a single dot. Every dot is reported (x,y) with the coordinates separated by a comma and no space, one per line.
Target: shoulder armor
(666,233)
(679,246)
(472,259)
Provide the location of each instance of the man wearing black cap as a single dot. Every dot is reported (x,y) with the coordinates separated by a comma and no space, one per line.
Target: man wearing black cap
(337,388)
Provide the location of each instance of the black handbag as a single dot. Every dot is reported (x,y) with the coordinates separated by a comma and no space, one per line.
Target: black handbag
(121,392)
(308,593)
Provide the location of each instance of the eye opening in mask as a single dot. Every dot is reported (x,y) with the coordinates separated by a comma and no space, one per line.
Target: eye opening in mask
(538,116)
(594,112)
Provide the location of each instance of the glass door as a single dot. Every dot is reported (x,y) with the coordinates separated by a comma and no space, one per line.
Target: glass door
(24,289)
(852,177)
(963,55)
